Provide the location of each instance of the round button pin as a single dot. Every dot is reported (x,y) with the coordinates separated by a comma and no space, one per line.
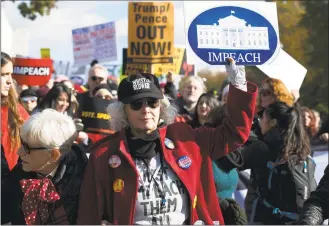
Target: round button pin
(118,185)
(114,161)
(184,162)
(169,144)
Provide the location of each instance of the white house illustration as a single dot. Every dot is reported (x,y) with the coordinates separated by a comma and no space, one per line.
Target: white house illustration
(232,33)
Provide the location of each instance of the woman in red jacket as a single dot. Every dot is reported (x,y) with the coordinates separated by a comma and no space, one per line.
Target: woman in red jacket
(150,173)
(13,116)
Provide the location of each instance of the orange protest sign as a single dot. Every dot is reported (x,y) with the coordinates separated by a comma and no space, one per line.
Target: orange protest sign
(32,72)
(150,32)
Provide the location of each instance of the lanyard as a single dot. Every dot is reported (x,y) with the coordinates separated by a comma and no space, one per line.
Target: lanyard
(161,191)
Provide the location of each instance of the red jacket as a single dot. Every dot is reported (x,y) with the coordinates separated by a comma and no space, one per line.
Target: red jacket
(99,202)
(11,156)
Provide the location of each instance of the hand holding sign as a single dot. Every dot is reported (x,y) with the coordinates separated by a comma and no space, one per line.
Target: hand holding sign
(236,74)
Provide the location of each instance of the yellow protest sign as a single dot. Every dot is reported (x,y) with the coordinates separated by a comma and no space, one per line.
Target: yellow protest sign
(150,32)
(45,53)
(175,66)
(133,68)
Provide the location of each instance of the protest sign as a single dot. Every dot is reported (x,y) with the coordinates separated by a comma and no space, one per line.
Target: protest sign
(246,31)
(94,116)
(60,67)
(45,53)
(150,32)
(94,42)
(287,69)
(32,72)
(179,65)
(79,74)
(175,66)
(133,68)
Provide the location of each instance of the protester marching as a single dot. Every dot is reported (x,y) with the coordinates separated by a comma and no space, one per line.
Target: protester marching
(161,139)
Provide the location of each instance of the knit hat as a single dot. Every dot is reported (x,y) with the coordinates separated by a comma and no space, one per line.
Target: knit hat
(163,84)
(42,91)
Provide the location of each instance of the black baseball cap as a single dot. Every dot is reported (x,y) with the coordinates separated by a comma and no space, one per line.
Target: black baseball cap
(139,86)
(28,92)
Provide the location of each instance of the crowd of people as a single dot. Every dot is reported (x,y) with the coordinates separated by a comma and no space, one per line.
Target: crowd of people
(172,156)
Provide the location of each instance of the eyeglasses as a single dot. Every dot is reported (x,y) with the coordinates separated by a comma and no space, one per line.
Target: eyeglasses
(95,78)
(138,104)
(265,92)
(27,99)
(27,149)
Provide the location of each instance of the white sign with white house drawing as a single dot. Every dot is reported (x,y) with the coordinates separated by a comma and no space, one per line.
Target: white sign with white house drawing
(232,33)
(245,31)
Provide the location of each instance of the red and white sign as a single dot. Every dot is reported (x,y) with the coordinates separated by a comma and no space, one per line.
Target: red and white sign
(32,72)
(94,42)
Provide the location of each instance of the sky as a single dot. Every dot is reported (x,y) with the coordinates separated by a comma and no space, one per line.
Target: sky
(54,31)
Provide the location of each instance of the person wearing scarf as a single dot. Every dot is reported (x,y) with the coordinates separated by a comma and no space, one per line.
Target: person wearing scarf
(154,171)
(44,187)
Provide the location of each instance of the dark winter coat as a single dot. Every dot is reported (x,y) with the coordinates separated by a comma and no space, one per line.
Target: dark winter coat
(316,207)
(67,181)
(182,110)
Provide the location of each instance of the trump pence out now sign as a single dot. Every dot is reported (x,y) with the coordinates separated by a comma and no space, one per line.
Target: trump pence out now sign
(32,72)
(150,32)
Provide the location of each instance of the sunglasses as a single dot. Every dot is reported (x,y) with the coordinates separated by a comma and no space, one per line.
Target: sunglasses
(138,104)
(95,78)
(27,149)
(265,92)
(27,99)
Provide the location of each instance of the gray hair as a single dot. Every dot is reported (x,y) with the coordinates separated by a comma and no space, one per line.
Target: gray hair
(187,79)
(119,120)
(97,66)
(49,129)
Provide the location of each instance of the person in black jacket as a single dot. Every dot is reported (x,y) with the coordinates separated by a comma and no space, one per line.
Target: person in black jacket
(44,188)
(316,207)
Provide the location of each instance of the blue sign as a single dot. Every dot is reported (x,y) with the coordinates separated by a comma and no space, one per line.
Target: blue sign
(231,31)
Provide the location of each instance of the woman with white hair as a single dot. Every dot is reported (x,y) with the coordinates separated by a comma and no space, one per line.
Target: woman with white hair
(152,173)
(44,187)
